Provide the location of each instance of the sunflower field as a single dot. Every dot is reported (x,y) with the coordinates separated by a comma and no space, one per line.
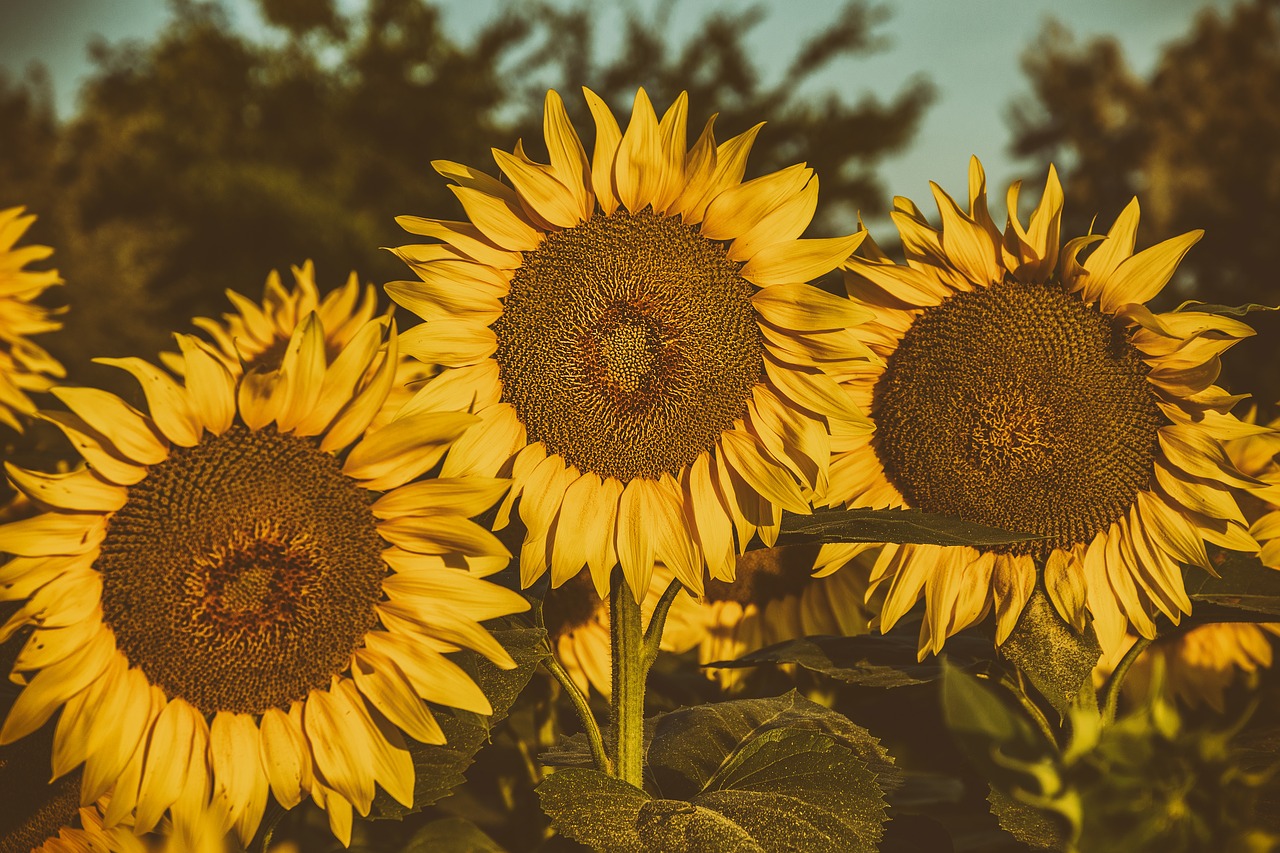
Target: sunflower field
(639,495)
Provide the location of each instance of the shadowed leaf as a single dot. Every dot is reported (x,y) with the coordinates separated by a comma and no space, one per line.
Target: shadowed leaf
(1002,745)
(753,774)
(895,525)
(868,660)
(1245,591)
(1056,659)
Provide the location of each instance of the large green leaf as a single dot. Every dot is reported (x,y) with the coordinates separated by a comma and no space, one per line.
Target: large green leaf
(1057,659)
(1245,591)
(752,774)
(1004,747)
(440,769)
(869,660)
(895,525)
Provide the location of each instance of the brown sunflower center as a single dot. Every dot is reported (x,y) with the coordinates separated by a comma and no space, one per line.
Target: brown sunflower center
(766,575)
(242,572)
(1020,407)
(628,344)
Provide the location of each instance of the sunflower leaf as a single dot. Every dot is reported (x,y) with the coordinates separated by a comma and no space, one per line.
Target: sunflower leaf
(1039,829)
(752,774)
(1055,658)
(438,769)
(1224,310)
(1004,747)
(1245,591)
(895,525)
(870,661)
(593,808)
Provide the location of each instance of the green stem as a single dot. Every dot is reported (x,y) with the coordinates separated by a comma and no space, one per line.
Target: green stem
(580,704)
(653,634)
(1112,691)
(629,670)
(1033,711)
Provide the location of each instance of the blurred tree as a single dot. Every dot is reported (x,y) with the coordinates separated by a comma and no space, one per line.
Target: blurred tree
(202,159)
(28,136)
(843,142)
(1198,141)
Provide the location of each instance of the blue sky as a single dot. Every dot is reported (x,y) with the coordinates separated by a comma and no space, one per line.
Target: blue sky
(969,48)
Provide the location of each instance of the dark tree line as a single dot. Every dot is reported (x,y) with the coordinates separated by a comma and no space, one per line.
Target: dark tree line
(1198,140)
(203,158)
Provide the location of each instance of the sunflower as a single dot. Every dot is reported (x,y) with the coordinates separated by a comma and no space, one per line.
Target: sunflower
(780,594)
(636,335)
(577,621)
(1023,389)
(1200,664)
(256,334)
(240,594)
(24,366)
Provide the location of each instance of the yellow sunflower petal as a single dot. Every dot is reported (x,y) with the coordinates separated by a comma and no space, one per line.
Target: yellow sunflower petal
(340,746)
(1142,276)
(385,685)
(497,220)
(539,189)
(211,385)
(739,209)
(403,449)
(463,496)
(285,757)
(239,778)
(805,308)
(568,157)
(433,676)
(799,260)
(80,490)
(176,735)
(442,534)
(130,432)
(608,139)
(638,172)
(166,400)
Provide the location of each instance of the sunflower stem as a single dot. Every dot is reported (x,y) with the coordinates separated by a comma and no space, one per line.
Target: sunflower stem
(653,634)
(629,670)
(595,741)
(1111,692)
(1033,711)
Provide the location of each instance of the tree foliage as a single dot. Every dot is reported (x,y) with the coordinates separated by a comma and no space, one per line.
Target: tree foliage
(202,159)
(1195,140)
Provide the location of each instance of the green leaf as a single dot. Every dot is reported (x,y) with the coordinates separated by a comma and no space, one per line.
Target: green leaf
(896,525)
(1224,310)
(451,835)
(1001,743)
(527,645)
(1039,829)
(438,769)
(869,660)
(752,774)
(1054,657)
(1245,591)
(593,808)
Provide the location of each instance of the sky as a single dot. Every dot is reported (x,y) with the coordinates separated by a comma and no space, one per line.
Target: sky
(970,49)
